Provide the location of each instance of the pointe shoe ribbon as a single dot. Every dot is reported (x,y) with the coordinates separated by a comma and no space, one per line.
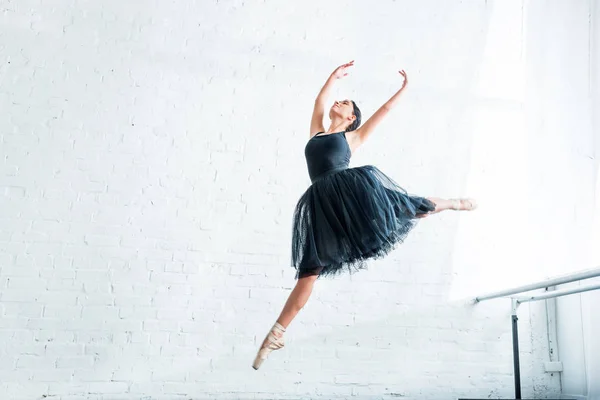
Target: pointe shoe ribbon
(274,341)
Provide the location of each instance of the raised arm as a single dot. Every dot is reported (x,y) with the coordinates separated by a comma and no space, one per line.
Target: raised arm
(364,131)
(316,123)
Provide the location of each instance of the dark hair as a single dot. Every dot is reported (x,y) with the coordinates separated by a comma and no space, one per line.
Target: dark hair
(356,122)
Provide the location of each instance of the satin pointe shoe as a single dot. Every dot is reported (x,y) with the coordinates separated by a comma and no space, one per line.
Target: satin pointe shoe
(274,341)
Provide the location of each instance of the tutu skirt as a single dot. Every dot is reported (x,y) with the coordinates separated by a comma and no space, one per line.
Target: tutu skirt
(349,216)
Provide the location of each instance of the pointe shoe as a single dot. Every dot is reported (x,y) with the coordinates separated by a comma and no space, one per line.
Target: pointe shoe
(274,341)
(467,204)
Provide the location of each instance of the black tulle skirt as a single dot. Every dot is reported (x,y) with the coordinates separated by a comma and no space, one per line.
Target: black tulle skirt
(348,217)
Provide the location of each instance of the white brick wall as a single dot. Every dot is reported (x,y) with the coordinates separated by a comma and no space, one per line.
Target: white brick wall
(152,154)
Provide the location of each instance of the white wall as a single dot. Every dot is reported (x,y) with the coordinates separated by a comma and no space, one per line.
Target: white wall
(592,321)
(153,154)
(579,322)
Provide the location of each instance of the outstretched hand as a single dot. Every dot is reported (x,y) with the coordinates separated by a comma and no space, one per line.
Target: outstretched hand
(405,78)
(342,70)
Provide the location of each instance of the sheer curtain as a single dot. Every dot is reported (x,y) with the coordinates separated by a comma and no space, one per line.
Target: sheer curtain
(577,120)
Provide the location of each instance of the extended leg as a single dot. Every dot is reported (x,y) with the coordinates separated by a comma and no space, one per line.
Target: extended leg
(295,302)
(450,204)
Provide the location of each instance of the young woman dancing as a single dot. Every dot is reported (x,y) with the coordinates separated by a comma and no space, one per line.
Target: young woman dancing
(347,215)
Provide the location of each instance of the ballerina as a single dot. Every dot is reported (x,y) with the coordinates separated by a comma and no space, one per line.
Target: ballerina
(347,215)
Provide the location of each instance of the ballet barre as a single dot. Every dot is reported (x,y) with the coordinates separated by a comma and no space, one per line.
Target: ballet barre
(516,300)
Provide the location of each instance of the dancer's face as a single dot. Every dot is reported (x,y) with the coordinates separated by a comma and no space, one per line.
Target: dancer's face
(343,109)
